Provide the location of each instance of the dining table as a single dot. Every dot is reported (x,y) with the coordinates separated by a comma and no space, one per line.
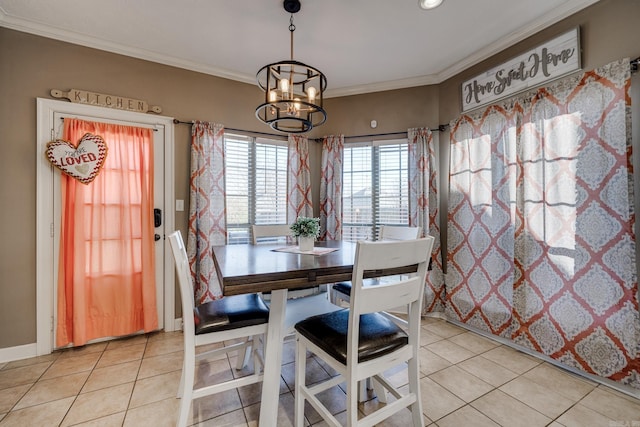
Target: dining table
(278,268)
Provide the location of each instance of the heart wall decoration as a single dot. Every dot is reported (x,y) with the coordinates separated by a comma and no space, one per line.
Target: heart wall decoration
(82,162)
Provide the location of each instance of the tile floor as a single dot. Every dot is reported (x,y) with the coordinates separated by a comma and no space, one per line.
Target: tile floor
(467,380)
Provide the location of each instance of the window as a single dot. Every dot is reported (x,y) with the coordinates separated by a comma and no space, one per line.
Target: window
(375,188)
(256,184)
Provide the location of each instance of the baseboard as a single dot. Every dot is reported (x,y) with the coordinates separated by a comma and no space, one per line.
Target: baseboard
(26,351)
(600,380)
(436,315)
(19,352)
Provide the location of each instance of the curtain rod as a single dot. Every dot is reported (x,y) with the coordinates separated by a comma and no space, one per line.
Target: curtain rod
(440,128)
(181,122)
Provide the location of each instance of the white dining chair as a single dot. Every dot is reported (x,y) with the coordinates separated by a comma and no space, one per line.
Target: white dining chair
(359,342)
(271,233)
(342,291)
(236,322)
(301,303)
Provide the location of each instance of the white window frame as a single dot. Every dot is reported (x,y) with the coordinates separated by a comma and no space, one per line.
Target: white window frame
(252,186)
(376,220)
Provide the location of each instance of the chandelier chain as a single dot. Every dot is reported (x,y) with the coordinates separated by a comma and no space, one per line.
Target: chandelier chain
(292,28)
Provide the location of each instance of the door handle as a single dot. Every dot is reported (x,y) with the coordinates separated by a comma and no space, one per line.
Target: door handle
(157,217)
(156,237)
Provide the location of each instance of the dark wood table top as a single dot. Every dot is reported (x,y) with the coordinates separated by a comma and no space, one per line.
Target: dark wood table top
(243,269)
(258,268)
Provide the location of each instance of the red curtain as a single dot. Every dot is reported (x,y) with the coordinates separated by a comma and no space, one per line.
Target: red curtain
(106,275)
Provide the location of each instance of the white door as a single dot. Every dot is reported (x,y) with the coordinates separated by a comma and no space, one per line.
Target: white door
(163,138)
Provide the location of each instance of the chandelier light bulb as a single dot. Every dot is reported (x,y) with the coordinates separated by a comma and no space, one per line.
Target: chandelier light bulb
(273,96)
(311,94)
(284,85)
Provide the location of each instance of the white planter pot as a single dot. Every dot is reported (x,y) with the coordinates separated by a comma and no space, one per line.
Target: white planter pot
(305,243)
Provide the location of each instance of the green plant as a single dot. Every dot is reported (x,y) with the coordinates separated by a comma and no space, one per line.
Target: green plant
(306,227)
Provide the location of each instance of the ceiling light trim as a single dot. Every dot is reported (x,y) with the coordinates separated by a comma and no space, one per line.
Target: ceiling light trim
(429,4)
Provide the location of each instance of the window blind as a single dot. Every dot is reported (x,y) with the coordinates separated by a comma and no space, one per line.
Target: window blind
(375,188)
(256,184)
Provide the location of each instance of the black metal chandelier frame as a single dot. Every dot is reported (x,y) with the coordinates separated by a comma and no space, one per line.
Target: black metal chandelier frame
(298,107)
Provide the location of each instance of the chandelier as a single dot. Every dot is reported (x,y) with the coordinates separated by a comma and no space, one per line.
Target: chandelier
(293,91)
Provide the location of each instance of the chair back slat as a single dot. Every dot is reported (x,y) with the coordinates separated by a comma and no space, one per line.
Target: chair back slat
(384,297)
(371,256)
(263,232)
(184,280)
(392,232)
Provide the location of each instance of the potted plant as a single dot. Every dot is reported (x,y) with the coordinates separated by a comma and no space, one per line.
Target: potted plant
(306,230)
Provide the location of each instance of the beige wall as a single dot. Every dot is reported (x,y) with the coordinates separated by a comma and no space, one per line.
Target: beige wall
(31,66)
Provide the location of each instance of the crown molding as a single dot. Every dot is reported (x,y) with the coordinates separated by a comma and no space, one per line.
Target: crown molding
(382,86)
(567,9)
(558,14)
(72,37)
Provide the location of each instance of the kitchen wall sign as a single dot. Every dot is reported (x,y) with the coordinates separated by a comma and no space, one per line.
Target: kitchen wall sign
(103,100)
(549,61)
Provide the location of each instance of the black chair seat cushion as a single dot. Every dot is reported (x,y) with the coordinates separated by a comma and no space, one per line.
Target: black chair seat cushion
(343,287)
(378,335)
(230,312)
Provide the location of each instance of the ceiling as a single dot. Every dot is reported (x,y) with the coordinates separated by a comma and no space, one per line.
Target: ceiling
(360,45)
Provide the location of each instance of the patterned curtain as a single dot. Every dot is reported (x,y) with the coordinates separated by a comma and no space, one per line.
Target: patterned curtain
(423,209)
(298,179)
(481,221)
(331,188)
(541,223)
(207,224)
